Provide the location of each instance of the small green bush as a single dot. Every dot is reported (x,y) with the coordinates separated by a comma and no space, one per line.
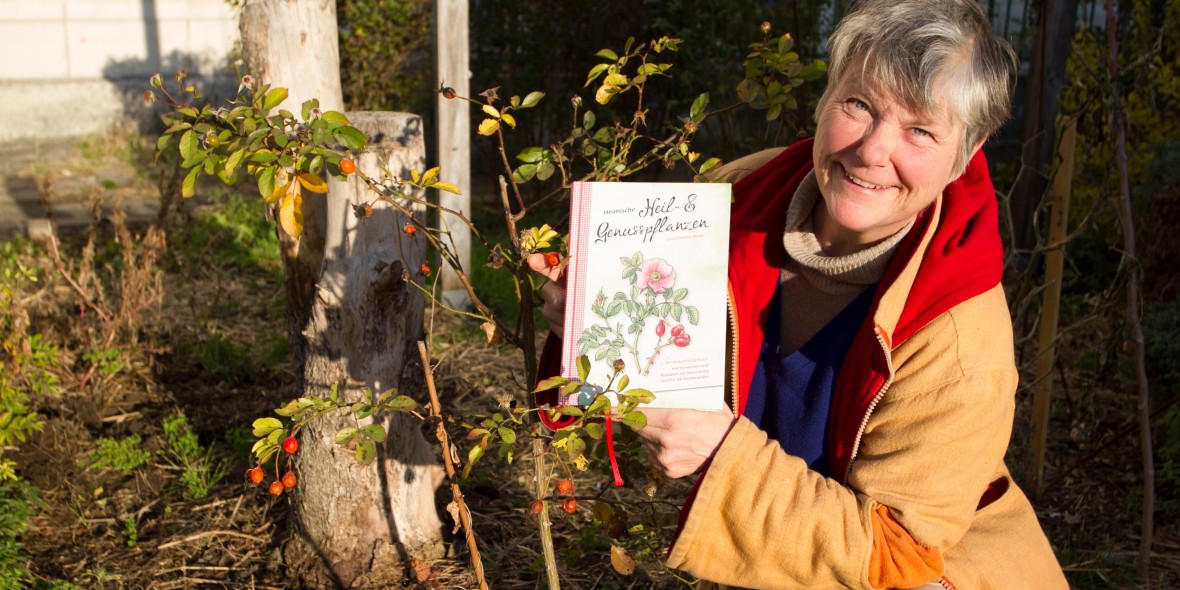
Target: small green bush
(121,455)
(200,471)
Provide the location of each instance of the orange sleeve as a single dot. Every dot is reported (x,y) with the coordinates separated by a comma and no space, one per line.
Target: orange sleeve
(897,560)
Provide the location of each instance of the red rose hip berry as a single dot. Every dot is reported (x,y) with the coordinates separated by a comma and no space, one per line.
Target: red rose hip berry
(276,488)
(564,487)
(536,506)
(289,479)
(347,166)
(570,505)
(552,259)
(254,475)
(290,445)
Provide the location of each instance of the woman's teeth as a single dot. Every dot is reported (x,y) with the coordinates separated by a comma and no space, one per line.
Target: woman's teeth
(860,182)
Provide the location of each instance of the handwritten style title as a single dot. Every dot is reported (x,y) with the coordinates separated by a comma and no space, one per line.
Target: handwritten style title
(656,213)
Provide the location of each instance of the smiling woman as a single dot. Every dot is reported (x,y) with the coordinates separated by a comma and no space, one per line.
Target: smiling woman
(874,379)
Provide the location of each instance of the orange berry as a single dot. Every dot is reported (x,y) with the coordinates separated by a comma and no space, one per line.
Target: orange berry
(409,229)
(290,445)
(570,505)
(552,258)
(289,479)
(448,92)
(254,475)
(564,487)
(276,488)
(536,506)
(347,166)
(424,269)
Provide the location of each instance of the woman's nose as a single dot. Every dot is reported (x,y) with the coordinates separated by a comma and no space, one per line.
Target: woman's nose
(876,147)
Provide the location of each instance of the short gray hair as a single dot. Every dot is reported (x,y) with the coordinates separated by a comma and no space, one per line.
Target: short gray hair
(925,52)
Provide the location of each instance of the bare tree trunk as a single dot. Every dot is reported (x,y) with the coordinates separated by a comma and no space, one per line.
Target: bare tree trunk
(353,324)
(1055,26)
(1134,279)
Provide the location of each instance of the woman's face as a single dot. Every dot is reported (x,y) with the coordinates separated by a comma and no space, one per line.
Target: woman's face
(878,164)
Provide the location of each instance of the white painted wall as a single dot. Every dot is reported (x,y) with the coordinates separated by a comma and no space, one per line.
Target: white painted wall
(74,67)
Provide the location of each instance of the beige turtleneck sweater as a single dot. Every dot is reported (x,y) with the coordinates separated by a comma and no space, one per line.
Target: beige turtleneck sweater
(815,286)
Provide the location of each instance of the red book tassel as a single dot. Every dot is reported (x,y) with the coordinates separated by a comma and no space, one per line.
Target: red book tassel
(610,452)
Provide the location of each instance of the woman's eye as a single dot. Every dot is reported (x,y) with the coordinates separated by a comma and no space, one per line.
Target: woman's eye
(922,132)
(859,104)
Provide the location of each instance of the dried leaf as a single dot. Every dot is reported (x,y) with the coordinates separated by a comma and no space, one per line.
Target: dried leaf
(489,329)
(622,562)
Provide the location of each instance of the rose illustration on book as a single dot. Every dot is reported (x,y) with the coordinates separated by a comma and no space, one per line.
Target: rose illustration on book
(622,319)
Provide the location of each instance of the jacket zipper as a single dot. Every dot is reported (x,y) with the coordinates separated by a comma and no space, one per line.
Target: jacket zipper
(733,359)
(945,583)
(873,404)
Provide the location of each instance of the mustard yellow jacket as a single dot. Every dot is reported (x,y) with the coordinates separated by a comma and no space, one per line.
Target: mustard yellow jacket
(920,427)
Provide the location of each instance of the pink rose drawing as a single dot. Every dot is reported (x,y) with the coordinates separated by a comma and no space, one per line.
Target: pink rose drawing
(656,274)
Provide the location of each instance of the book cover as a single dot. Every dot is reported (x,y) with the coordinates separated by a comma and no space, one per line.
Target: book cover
(647,284)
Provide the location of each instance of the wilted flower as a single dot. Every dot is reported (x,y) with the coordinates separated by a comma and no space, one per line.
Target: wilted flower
(765,27)
(656,274)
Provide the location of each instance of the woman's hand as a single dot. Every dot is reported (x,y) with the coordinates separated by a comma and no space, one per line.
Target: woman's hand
(552,294)
(679,442)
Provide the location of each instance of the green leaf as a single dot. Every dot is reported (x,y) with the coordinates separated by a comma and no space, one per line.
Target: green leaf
(545,169)
(265,426)
(698,105)
(602,403)
(639,395)
(532,99)
(472,456)
(595,72)
(308,105)
(608,54)
(273,98)
(694,316)
(570,411)
(550,383)
(374,432)
(263,156)
(346,434)
(594,430)
(624,381)
(588,120)
(366,451)
(635,420)
(402,403)
(234,161)
(163,142)
(188,188)
(506,434)
(188,145)
(335,117)
(266,182)
(709,164)
(351,138)
(583,367)
(525,173)
(530,155)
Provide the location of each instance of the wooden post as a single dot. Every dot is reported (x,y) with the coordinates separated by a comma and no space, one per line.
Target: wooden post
(1050,304)
(454,137)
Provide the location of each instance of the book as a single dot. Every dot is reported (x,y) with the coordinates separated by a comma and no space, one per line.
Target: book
(647,284)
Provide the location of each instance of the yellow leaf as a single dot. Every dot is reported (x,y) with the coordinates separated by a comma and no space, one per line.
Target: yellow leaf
(605,93)
(312,182)
(509,119)
(430,176)
(491,111)
(414,176)
(622,562)
(291,212)
(280,190)
(582,463)
(488,126)
(446,186)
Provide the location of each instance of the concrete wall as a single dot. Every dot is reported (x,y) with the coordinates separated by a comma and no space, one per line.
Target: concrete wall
(74,67)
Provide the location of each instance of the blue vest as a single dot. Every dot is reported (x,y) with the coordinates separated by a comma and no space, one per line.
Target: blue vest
(789,397)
